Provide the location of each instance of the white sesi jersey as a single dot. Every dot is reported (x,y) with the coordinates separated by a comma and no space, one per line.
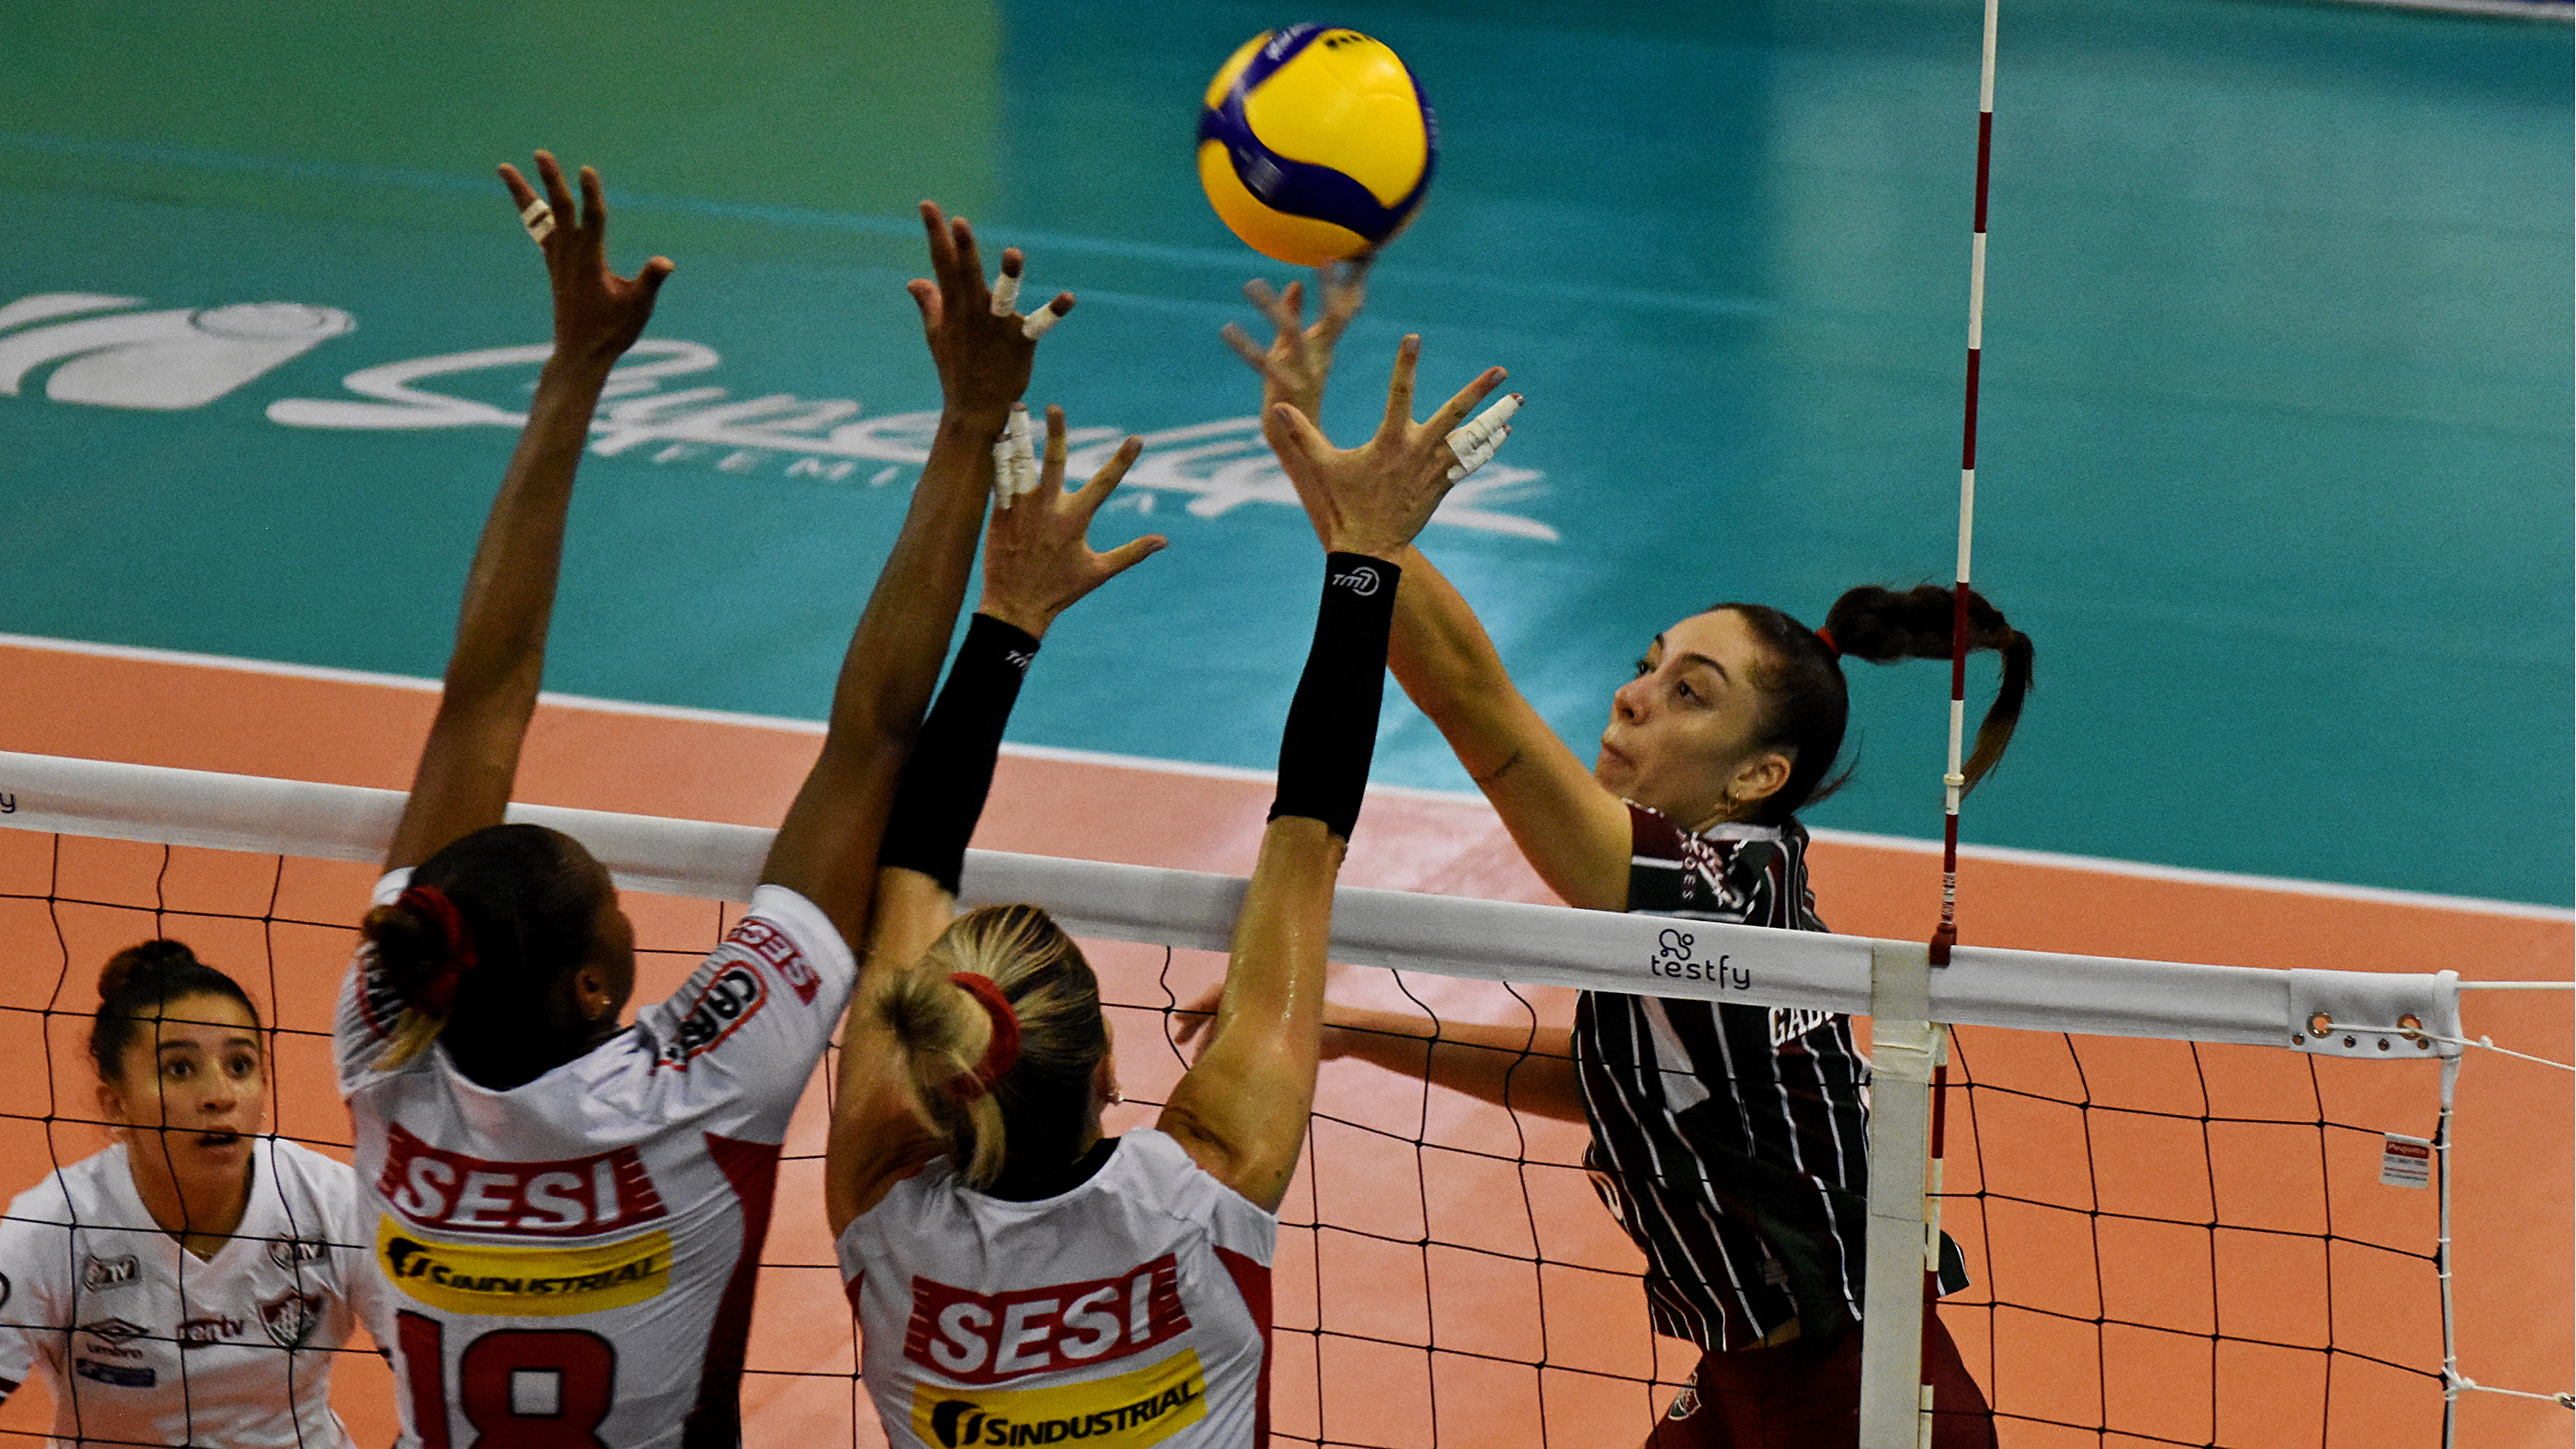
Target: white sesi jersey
(141,1342)
(1132,1310)
(574,1259)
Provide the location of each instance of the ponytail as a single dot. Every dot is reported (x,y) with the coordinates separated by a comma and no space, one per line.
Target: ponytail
(138,984)
(476,948)
(1012,971)
(1882,627)
(1808,704)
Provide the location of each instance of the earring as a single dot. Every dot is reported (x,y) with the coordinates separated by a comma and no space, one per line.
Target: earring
(1117,1094)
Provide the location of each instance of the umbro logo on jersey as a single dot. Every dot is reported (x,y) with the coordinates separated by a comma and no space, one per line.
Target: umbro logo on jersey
(114,1330)
(979,1338)
(571,1197)
(728,999)
(771,945)
(97,1272)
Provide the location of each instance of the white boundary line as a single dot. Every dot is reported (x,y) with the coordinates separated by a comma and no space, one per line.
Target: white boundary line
(2006,855)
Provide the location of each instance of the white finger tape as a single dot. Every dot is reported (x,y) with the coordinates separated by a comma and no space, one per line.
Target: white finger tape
(1485,426)
(1006,295)
(539,219)
(1040,322)
(1476,455)
(1015,459)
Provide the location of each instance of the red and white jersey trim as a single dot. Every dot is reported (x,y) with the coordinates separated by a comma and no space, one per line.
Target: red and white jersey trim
(1133,1310)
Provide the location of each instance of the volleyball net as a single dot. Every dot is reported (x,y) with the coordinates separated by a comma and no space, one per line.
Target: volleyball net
(2199,1205)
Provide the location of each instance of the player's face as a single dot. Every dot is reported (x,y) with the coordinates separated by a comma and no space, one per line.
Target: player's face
(1682,732)
(197,1077)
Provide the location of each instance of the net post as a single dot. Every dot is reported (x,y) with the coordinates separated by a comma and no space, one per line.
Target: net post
(1904,1049)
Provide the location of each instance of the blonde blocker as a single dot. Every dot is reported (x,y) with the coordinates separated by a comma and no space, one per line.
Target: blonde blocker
(1034,1116)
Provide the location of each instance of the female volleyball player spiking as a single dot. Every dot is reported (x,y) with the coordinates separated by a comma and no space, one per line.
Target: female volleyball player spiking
(1729,1140)
(1018,1278)
(193,1283)
(569,1211)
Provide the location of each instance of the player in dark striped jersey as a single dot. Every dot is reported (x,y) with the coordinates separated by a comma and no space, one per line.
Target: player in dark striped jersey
(1730,1140)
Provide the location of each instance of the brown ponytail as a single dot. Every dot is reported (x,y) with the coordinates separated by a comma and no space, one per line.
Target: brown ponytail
(1809,706)
(138,984)
(1032,1115)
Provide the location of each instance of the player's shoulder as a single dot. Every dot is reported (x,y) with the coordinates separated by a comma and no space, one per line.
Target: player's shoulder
(71,1193)
(300,1168)
(1152,1170)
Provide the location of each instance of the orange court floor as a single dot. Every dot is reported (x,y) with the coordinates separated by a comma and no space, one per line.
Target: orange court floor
(2169,1245)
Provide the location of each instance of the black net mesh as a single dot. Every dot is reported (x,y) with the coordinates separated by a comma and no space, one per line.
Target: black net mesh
(2170,1244)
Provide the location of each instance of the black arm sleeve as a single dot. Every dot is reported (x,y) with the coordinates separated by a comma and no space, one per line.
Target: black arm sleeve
(951,769)
(1332,723)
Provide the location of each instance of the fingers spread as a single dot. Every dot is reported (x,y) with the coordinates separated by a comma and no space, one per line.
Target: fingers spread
(1244,347)
(1443,421)
(943,252)
(521,193)
(1299,440)
(650,279)
(1399,388)
(970,261)
(1042,321)
(558,195)
(594,207)
(1127,555)
(1051,474)
(1105,482)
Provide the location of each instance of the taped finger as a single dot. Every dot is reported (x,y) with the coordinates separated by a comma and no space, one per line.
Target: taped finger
(1006,295)
(1039,323)
(1015,460)
(539,219)
(1485,426)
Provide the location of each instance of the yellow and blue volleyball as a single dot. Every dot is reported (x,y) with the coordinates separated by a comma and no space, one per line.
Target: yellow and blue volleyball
(1315,144)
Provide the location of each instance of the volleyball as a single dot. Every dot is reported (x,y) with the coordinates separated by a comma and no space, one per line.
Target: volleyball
(1315,144)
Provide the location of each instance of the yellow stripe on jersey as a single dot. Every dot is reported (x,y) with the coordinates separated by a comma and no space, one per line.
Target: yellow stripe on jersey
(523,1282)
(1129,1411)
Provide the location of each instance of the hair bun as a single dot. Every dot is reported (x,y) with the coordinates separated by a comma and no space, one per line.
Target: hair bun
(150,958)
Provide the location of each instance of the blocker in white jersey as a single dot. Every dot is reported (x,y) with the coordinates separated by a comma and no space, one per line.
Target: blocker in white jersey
(571,1262)
(141,1342)
(1132,1310)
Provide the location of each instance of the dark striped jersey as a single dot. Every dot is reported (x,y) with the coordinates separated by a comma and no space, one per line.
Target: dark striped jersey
(1731,1140)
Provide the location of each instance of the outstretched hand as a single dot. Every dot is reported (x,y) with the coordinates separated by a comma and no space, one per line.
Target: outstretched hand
(983,356)
(1037,560)
(598,314)
(1374,498)
(1299,359)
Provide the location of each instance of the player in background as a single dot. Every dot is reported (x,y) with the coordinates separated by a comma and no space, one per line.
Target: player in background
(1018,1278)
(569,1210)
(193,1283)
(1731,1141)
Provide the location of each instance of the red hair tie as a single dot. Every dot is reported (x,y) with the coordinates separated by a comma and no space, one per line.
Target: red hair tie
(436,995)
(1004,1049)
(1826,638)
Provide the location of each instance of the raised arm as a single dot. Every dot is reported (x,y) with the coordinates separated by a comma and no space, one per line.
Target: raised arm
(1573,829)
(1241,1110)
(1037,563)
(826,848)
(471,757)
